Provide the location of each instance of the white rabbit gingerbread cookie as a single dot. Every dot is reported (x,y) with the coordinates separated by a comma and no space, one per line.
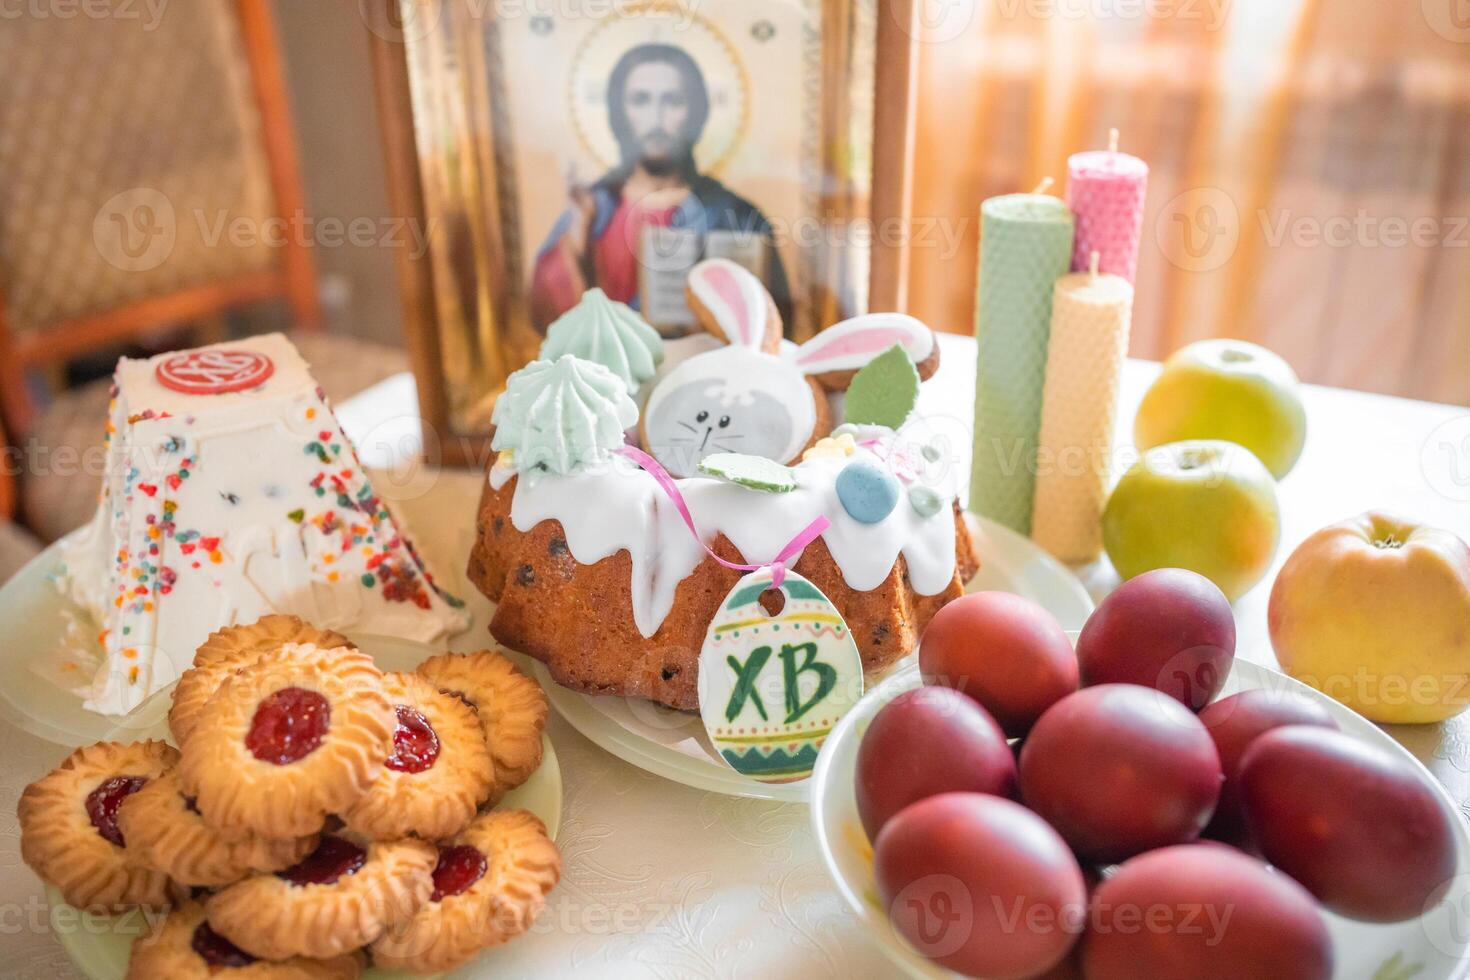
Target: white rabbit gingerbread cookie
(750,397)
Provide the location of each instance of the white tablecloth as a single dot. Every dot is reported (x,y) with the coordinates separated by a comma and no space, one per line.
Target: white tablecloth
(664,881)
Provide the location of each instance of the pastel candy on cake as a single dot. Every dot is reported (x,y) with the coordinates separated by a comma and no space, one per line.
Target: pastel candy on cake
(231,492)
(609,333)
(558,415)
(867,490)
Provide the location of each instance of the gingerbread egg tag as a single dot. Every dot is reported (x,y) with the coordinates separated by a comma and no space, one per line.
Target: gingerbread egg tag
(778,669)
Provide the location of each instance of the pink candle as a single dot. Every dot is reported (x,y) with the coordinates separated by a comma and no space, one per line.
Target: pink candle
(1105,191)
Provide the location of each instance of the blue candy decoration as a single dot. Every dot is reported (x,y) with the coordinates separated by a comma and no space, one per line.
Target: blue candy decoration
(868,491)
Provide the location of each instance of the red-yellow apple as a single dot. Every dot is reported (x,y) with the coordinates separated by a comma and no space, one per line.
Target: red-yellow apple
(1375,612)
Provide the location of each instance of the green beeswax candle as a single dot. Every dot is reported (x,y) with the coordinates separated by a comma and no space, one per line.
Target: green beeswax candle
(1025,246)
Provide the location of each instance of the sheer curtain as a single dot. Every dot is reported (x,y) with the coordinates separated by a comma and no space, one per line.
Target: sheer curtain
(1310,185)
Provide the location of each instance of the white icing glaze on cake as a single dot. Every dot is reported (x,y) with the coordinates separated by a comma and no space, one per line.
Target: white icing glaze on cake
(220,508)
(633,513)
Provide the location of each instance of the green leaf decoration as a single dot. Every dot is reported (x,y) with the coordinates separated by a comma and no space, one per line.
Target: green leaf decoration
(884,392)
(754,472)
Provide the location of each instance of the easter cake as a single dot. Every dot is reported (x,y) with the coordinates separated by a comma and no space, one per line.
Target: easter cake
(608,563)
(231,492)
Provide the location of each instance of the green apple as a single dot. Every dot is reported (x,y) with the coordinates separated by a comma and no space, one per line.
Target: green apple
(1375,612)
(1226,389)
(1204,504)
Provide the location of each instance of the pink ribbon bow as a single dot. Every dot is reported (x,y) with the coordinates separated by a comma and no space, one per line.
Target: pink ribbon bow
(777,565)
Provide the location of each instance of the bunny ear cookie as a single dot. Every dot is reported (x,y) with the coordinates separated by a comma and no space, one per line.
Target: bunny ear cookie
(730,302)
(833,356)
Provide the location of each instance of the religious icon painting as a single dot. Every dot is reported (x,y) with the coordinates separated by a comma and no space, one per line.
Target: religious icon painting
(614,144)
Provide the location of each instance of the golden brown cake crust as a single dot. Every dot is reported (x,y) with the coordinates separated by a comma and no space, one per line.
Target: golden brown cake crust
(578,619)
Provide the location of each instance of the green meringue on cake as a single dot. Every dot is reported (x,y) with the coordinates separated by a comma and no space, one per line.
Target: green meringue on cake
(608,332)
(560,415)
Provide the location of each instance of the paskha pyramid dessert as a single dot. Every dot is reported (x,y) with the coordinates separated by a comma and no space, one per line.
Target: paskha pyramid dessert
(589,555)
(232,492)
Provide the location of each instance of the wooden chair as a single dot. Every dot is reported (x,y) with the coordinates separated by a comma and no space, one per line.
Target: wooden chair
(148,178)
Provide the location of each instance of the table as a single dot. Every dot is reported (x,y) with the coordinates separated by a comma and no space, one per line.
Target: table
(664,881)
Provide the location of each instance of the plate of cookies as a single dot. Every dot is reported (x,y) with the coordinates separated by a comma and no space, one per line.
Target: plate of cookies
(309,811)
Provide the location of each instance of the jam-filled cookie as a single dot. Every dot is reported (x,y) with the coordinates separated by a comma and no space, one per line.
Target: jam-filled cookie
(184,947)
(490,883)
(164,831)
(512,709)
(438,773)
(342,896)
(301,733)
(229,649)
(69,834)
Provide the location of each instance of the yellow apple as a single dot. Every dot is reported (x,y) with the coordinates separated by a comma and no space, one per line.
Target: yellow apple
(1226,389)
(1375,612)
(1205,505)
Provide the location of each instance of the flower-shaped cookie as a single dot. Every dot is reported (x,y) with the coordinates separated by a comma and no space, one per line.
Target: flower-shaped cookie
(184,947)
(490,883)
(69,833)
(439,773)
(342,896)
(164,831)
(512,709)
(229,649)
(301,733)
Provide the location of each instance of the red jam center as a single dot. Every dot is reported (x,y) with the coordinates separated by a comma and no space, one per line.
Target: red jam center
(333,858)
(458,868)
(102,804)
(415,744)
(288,725)
(216,950)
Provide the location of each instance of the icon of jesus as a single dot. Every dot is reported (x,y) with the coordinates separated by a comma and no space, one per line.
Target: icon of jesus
(657,104)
